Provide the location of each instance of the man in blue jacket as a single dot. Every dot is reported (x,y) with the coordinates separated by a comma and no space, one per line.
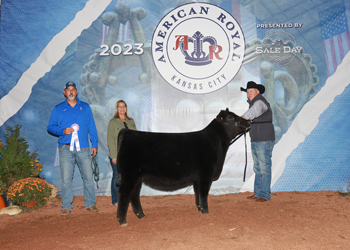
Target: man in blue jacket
(262,134)
(72,121)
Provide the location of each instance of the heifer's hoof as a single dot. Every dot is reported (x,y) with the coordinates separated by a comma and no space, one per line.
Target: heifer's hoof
(204,210)
(122,223)
(141,216)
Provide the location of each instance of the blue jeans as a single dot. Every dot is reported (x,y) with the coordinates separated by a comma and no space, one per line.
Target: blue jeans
(67,164)
(262,153)
(114,188)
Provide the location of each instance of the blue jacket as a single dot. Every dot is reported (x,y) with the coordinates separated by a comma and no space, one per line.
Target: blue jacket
(64,115)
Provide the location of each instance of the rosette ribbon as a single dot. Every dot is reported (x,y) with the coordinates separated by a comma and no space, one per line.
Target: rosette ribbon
(75,138)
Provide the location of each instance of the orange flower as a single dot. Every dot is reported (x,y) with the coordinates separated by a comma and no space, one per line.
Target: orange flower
(29,189)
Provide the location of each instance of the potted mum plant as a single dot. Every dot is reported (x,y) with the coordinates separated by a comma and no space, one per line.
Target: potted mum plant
(29,192)
(16,162)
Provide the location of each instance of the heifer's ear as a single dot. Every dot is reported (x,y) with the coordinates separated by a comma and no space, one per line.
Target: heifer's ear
(219,116)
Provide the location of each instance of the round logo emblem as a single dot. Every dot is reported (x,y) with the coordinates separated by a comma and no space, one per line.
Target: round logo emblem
(279,48)
(198,48)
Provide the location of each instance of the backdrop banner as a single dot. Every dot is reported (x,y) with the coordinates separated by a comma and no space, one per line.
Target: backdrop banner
(177,64)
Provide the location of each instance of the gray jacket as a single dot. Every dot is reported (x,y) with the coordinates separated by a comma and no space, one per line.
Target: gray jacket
(261,128)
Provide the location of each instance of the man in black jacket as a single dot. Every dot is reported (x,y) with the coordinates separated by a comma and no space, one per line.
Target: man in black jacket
(262,136)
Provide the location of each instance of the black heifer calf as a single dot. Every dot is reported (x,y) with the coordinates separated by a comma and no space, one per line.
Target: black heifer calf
(170,161)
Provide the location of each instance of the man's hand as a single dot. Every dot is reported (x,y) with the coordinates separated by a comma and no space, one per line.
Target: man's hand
(114,161)
(93,151)
(68,131)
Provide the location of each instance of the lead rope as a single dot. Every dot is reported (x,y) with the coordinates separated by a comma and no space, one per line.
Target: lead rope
(245,141)
(95,169)
(245,167)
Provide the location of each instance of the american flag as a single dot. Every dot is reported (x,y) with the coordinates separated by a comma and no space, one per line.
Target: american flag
(124,30)
(335,33)
(147,107)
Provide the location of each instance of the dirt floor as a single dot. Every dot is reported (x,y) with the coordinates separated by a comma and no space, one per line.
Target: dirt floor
(291,220)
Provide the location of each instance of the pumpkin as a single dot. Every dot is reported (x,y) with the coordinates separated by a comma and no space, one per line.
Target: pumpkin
(2,202)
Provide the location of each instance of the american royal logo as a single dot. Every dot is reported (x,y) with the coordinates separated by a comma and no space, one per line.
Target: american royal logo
(198,48)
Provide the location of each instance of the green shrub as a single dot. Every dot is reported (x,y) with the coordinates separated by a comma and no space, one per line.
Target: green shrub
(16,162)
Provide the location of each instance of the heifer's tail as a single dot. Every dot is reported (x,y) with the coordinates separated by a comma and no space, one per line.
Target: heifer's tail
(120,139)
(118,180)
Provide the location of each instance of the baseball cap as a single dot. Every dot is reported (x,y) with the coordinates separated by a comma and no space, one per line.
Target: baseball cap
(69,84)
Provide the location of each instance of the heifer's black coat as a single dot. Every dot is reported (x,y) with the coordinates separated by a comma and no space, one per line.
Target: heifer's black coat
(170,161)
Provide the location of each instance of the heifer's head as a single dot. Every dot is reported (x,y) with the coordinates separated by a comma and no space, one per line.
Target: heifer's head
(233,124)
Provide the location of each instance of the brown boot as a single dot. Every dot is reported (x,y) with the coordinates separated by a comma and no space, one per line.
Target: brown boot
(252,197)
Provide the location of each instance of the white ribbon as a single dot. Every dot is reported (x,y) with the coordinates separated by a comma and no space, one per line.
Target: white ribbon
(75,138)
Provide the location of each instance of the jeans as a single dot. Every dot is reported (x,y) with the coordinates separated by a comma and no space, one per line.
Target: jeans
(67,164)
(262,153)
(114,188)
